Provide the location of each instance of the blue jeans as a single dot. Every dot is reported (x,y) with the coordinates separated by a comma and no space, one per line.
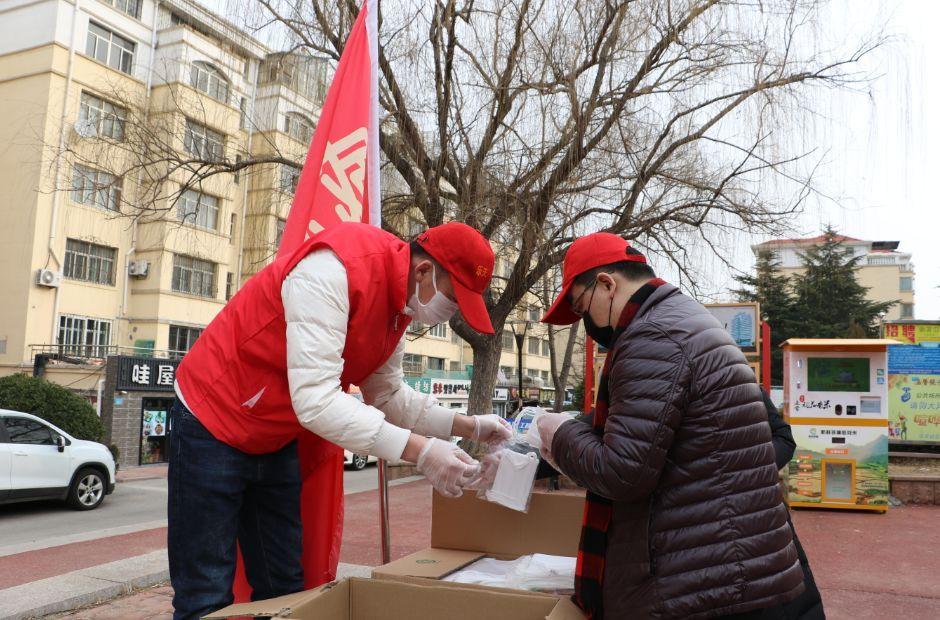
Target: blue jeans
(218,495)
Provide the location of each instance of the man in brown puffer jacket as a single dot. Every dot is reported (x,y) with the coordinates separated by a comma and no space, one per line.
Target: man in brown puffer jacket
(684,517)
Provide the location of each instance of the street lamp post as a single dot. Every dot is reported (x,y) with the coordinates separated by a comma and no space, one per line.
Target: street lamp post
(520,340)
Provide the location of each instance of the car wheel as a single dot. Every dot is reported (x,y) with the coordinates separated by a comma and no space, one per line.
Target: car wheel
(359,462)
(87,490)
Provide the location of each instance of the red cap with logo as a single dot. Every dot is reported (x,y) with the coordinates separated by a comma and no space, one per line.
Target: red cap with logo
(595,250)
(468,259)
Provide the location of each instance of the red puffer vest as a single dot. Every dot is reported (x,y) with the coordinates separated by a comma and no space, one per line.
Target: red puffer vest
(235,376)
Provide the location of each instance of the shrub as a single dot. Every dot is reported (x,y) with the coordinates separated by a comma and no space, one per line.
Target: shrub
(52,403)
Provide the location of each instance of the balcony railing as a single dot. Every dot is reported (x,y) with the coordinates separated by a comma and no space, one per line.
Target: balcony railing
(93,354)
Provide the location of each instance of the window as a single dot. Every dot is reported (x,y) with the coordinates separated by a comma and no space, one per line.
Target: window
(24,431)
(881,260)
(535,313)
(455,337)
(455,366)
(907,311)
(109,48)
(182,339)
(546,350)
(89,262)
(193,276)
(416,328)
(435,363)
(907,283)
(243,113)
(96,188)
(131,7)
(508,340)
(231,228)
(303,74)
(290,177)
(279,227)
(298,126)
(107,118)
(206,78)
(412,364)
(198,210)
(545,377)
(438,331)
(200,141)
(507,371)
(81,336)
(533,346)
(229,285)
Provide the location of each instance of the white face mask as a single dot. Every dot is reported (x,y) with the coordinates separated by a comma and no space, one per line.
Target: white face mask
(438,310)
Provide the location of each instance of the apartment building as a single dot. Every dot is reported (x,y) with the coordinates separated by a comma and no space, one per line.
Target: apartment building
(99,259)
(885,270)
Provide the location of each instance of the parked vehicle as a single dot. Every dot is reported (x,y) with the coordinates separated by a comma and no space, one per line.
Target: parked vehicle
(39,461)
(357,461)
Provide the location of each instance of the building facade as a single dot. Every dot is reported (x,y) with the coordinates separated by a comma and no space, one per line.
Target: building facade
(99,258)
(886,271)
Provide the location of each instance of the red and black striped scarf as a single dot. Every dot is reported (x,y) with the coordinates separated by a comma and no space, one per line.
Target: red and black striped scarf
(592,552)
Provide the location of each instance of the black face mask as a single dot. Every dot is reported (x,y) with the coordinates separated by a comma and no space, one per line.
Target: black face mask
(603,336)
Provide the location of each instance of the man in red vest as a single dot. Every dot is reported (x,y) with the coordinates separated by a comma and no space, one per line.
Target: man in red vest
(277,360)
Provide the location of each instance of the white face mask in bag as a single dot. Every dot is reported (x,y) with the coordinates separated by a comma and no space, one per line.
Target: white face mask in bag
(438,310)
(514,480)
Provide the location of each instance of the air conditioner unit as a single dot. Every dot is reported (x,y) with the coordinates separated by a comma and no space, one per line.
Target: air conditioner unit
(48,278)
(138,268)
(87,128)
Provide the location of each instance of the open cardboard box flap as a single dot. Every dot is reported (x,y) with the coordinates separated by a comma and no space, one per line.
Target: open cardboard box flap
(367,599)
(466,529)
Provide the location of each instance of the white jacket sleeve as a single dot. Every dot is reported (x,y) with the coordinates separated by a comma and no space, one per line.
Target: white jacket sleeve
(316,308)
(403,405)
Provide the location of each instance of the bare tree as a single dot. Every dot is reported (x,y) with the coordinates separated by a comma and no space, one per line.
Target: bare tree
(537,121)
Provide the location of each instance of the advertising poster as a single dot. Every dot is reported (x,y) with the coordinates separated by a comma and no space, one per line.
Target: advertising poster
(154,423)
(740,320)
(913,333)
(842,464)
(914,393)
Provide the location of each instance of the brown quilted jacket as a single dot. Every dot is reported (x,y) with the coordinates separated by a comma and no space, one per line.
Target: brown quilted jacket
(699,527)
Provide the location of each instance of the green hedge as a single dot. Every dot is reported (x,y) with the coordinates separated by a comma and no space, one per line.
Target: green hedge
(53,403)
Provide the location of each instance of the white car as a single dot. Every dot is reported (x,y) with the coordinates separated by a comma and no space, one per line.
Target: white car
(357,461)
(40,461)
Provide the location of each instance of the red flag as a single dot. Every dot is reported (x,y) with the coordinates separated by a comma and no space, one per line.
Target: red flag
(339,183)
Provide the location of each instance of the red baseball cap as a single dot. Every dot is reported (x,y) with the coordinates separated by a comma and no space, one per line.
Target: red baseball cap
(468,259)
(594,250)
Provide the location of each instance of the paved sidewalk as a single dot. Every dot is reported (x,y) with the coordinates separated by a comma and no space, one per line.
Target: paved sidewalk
(144,472)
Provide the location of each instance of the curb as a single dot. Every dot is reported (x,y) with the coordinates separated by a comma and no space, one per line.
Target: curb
(85,587)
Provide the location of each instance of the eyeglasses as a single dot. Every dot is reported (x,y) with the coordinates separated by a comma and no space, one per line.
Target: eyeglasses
(575,305)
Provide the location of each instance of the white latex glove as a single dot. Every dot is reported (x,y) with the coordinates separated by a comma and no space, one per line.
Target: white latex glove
(447,467)
(491,429)
(548,424)
(489,464)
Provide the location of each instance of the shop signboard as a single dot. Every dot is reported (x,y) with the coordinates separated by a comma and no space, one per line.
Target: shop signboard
(914,393)
(146,374)
(913,333)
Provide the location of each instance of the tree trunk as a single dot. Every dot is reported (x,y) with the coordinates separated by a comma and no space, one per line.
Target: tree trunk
(562,380)
(485,366)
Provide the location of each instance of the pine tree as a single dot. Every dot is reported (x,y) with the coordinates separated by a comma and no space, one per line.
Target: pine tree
(830,301)
(772,290)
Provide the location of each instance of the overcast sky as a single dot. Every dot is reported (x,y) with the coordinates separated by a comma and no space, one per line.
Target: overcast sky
(880,142)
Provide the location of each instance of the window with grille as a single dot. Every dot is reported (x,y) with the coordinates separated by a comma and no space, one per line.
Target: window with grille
(290,177)
(435,363)
(193,276)
(881,260)
(110,48)
(198,210)
(907,283)
(107,118)
(81,336)
(131,7)
(533,346)
(96,188)
(298,126)
(412,364)
(200,141)
(545,348)
(182,339)
(208,79)
(89,262)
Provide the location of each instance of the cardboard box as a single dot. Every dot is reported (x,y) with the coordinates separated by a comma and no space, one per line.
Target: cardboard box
(369,599)
(465,529)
